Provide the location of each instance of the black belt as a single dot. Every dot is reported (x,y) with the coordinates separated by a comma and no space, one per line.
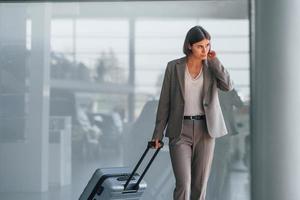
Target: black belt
(195,117)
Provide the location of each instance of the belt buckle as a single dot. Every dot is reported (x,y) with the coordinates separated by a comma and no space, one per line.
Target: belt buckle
(191,117)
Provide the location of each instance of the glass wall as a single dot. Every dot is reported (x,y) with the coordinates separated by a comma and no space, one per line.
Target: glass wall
(79,85)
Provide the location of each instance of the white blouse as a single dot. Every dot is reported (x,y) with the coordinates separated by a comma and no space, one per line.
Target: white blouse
(193,96)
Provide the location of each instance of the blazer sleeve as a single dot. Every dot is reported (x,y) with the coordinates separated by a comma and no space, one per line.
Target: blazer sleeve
(224,81)
(163,110)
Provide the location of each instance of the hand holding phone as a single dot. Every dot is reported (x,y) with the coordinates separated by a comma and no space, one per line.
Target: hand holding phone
(211,54)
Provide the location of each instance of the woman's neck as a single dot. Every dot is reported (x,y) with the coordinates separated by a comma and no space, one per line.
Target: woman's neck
(193,62)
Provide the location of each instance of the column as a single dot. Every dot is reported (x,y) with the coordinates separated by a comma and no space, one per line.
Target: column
(24,157)
(275,98)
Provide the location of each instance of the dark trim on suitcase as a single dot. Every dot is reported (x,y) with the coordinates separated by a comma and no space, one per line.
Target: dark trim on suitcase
(98,189)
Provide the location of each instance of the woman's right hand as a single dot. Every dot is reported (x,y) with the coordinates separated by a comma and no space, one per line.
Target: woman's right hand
(156,144)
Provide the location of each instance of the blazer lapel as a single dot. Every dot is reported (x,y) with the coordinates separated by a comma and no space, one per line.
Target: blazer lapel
(206,81)
(180,69)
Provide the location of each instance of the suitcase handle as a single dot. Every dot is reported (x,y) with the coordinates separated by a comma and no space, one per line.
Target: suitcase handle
(150,145)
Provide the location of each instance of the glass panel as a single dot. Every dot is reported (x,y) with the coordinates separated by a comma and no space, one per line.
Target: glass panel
(98,50)
(14,92)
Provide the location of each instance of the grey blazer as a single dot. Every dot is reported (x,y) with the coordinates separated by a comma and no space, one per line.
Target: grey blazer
(171,102)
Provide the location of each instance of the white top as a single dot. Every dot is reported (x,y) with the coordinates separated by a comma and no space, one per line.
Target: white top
(193,89)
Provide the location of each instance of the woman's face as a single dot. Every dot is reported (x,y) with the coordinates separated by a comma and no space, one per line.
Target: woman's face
(201,49)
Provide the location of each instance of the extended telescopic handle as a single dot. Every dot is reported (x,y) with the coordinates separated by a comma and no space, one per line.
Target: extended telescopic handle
(150,145)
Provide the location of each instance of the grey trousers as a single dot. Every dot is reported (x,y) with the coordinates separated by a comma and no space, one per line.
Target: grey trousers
(191,157)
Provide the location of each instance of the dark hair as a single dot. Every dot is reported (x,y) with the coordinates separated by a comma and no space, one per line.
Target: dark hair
(194,35)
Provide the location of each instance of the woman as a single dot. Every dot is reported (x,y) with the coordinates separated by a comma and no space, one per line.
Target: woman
(189,107)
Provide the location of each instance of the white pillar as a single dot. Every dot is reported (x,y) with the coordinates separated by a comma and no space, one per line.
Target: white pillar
(276,101)
(24,164)
(40,85)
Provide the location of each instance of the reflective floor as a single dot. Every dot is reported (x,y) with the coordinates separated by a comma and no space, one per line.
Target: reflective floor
(237,183)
